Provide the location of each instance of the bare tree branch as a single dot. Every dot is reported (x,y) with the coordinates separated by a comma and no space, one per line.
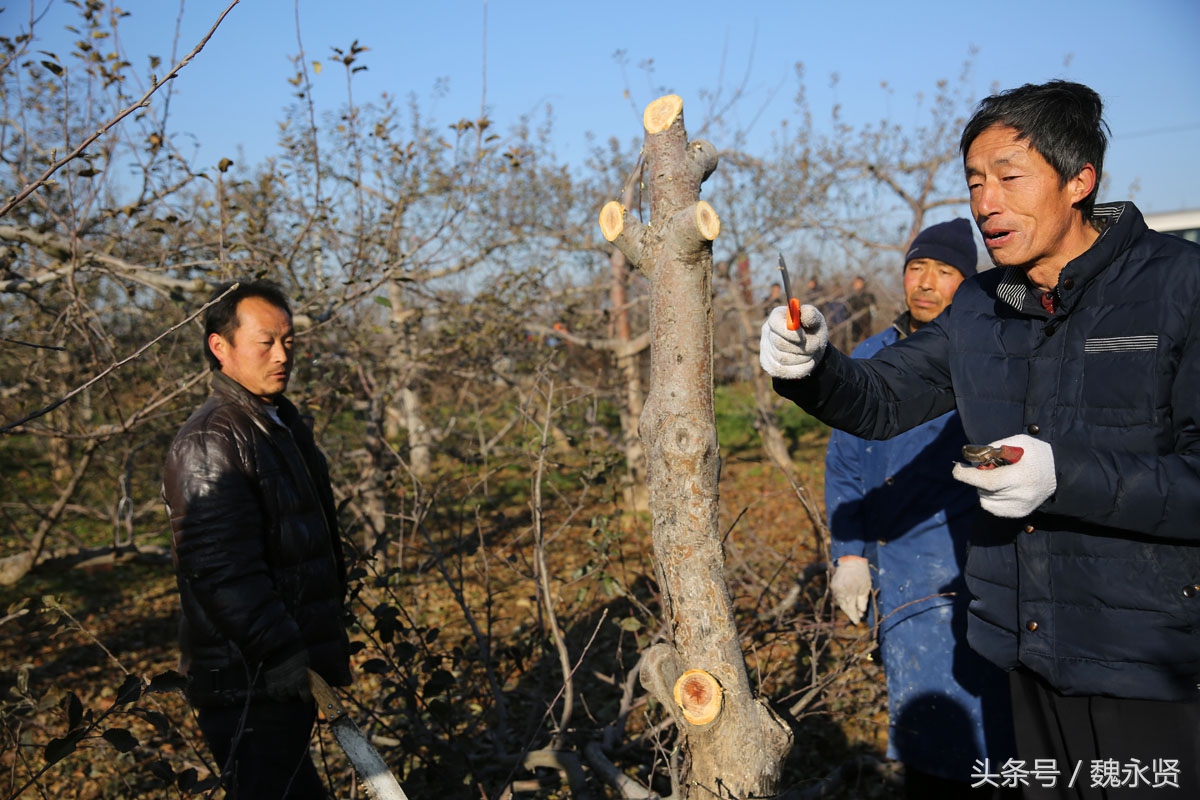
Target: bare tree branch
(143,102)
(11,426)
(61,249)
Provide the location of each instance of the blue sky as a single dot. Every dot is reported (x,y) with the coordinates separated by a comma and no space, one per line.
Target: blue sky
(1144,59)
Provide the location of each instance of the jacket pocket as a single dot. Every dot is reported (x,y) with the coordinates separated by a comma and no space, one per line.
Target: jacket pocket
(1119,380)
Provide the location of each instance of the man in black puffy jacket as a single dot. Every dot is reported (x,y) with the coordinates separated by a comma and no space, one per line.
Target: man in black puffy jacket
(1082,352)
(258,555)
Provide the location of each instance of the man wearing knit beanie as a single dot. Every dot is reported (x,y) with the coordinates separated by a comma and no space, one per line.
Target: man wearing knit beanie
(950,242)
(947,706)
(938,260)
(1077,357)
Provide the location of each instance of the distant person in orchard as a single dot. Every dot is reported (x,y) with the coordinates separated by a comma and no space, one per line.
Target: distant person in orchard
(836,312)
(899,523)
(861,305)
(258,555)
(774,297)
(1079,356)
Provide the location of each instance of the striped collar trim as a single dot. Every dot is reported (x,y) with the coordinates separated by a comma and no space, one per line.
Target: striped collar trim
(1107,214)
(1015,291)
(1014,288)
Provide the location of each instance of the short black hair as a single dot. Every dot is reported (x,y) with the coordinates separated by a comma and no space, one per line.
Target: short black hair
(1063,121)
(221,317)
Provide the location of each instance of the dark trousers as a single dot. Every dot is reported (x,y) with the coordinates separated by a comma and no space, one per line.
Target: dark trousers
(266,757)
(1104,748)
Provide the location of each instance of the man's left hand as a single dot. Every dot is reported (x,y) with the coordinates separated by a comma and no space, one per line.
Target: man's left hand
(1014,490)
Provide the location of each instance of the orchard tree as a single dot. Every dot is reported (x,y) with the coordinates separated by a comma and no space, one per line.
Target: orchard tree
(90,263)
(734,743)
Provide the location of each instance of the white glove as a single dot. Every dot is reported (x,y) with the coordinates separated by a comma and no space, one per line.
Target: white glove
(851,586)
(792,354)
(1014,490)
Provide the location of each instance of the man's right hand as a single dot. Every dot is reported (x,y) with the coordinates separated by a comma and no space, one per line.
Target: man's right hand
(288,680)
(791,355)
(851,586)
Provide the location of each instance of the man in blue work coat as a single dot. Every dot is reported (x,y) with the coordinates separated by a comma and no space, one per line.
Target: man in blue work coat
(900,523)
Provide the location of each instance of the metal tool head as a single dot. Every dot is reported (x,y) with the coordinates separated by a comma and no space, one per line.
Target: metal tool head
(787,283)
(373,771)
(984,455)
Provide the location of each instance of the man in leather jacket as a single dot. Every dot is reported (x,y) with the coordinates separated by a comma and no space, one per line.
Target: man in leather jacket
(258,555)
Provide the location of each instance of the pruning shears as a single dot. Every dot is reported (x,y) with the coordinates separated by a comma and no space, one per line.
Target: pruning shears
(983,456)
(793,305)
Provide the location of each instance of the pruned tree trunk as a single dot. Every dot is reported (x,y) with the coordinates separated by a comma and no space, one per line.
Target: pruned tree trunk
(734,744)
(420,438)
(395,407)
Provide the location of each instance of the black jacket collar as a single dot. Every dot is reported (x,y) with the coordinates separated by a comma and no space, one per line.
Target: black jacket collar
(229,389)
(1120,225)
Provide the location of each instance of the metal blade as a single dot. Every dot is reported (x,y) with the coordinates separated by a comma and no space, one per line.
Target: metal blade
(372,770)
(787,283)
(988,457)
(977,454)
(376,778)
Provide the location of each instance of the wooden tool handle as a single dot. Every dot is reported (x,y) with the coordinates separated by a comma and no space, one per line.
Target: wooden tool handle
(327,702)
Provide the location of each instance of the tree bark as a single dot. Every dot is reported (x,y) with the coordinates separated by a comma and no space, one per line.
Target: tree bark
(733,743)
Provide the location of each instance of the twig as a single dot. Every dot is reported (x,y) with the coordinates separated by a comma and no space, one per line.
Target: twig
(628,788)
(31,344)
(840,775)
(550,707)
(67,252)
(15,615)
(483,641)
(8,428)
(614,730)
(543,576)
(13,568)
(143,102)
(562,761)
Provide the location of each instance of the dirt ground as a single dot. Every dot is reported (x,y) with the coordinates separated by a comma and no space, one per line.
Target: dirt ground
(70,640)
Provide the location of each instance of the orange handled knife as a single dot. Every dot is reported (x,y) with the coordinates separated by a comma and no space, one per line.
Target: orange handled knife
(793,305)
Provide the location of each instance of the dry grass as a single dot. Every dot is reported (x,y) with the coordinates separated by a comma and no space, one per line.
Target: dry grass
(458,676)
